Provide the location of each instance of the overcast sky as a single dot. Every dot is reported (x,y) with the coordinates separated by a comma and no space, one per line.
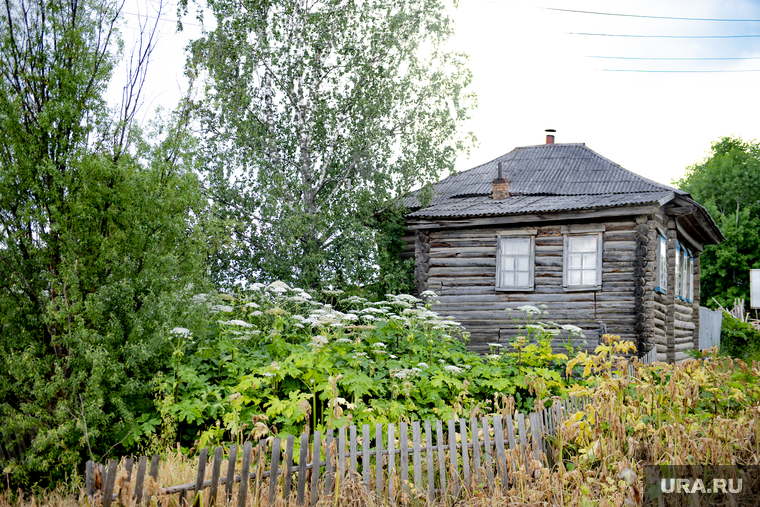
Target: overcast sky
(533,69)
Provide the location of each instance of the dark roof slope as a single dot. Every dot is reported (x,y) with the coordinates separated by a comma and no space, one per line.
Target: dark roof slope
(557,176)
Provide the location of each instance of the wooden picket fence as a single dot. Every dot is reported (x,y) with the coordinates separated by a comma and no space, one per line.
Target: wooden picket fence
(465,454)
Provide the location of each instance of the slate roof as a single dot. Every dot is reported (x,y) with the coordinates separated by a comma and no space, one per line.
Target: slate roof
(543,178)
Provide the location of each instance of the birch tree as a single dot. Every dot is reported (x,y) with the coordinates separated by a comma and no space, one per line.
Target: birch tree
(317,117)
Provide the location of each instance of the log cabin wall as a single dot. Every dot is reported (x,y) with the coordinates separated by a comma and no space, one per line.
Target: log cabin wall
(462,270)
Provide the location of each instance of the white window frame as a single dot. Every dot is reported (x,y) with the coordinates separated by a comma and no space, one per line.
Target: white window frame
(691,279)
(582,231)
(661,284)
(685,282)
(518,234)
(678,271)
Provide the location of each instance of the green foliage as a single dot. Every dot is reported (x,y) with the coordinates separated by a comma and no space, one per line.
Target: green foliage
(275,358)
(739,339)
(318,117)
(728,185)
(98,240)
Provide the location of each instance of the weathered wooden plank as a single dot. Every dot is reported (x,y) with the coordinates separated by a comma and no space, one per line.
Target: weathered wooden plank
(341,454)
(465,458)
(453,457)
(316,458)
(501,455)
(366,465)
(379,462)
(244,474)
(404,446)
(230,473)
(416,455)
(353,449)
(216,467)
(128,467)
(487,453)
(109,482)
(274,471)
(303,458)
(461,262)
(329,471)
(391,461)
(523,439)
(441,456)
(429,454)
(289,444)
(199,477)
(475,449)
(258,470)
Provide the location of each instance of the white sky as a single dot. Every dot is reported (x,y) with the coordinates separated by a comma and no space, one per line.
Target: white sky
(530,74)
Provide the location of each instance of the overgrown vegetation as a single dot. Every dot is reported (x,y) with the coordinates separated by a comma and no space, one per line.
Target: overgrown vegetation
(739,339)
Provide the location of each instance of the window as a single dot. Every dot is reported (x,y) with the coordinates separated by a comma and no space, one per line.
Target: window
(691,279)
(662,266)
(514,270)
(685,256)
(583,261)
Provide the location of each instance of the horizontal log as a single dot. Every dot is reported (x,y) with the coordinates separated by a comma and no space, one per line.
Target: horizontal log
(619,245)
(463,243)
(461,262)
(462,271)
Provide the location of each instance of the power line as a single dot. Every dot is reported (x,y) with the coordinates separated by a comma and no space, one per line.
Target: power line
(677,71)
(649,17)
(747,36)
(675,58)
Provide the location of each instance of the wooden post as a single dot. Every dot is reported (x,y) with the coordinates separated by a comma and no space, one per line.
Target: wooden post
(441,456)
(303,457)
(198,497)
(109,483)
(430,455)
(316,458)
(288,467)
(404,446)
(501,455)
(465,461)
(329,473)
(215,471)
(230,480)
(352,447)
(391,462)
(89,479)
(453,458)
(244,479)
(475,449)
(274,471)
(487,455)
(366,465)
(341,455)
(379,462)
(416,457)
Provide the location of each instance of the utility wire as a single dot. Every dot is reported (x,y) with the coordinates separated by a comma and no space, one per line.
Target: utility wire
(747,36)
(675,58)
(677,71)
(650,17)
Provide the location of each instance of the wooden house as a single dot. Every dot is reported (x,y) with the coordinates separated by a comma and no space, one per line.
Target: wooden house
(559,225)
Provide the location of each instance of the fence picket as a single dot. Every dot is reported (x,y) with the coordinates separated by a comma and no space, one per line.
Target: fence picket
(109,482)
(230,473)
(200,476)
(216,466)
(128,467)
(523,439)
(475,449)
(316,458)
(465,460)
(243,491)
(366,465)
(535,434)
(274,470)
(329,471)
(260,455)
(501,456)
(391,462)
(379,462)
(302,459)
(352,448)
(404,447)
(288,467)
(416,455)
(341,455)
(89,479)
(430,455)
(441,456)
(487,453)
(453,457)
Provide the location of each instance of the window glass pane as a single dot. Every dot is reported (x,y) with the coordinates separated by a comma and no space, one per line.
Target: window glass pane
(573,277)
(574,261)
(685,276)
(589,277)
(589,261)
(678,272)
(522,279)
(508,278)
(663,264)
(691,279)
(508,263)
(522,264)
(522,246)
(582,243)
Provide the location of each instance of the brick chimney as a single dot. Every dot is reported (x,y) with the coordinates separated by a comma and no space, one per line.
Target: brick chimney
(500,187)
(550,136)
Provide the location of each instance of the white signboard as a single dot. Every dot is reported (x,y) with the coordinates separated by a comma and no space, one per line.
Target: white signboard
(754,288)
